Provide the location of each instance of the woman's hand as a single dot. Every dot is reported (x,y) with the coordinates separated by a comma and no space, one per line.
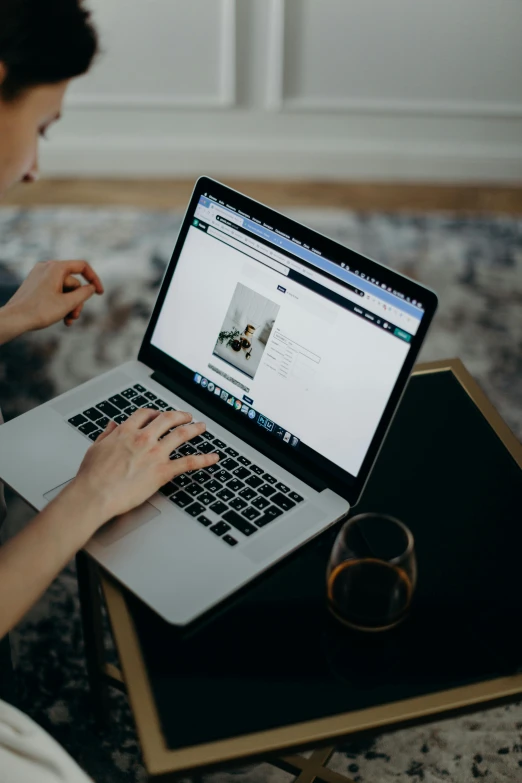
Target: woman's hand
(124,467)
(49,293)
(130,462)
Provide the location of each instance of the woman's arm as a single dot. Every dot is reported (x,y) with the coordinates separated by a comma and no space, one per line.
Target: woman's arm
(50,293)
(30,561)
(124,467)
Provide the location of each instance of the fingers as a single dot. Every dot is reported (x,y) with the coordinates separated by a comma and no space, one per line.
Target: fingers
(85,269)
(73,316)
(71,283)
(79,296)
(141,418)
(192,462)
(182,434)
(111,426)
(162,424)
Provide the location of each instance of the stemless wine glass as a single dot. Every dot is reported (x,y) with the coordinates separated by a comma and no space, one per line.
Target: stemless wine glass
(372,573)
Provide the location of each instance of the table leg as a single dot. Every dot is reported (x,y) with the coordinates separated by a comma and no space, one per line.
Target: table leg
(313,769)
(92,622)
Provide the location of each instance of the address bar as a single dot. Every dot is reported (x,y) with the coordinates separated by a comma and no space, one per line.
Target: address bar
(225,232)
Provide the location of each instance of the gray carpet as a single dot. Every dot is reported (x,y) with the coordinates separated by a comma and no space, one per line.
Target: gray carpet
(475,265)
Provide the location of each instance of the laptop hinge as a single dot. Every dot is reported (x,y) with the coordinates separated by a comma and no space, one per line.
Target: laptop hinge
(281,458)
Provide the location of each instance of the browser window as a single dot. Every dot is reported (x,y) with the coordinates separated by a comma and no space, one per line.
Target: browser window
(287,338)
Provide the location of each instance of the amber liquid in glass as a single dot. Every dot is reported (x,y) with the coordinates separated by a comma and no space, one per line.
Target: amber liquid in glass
(369,594)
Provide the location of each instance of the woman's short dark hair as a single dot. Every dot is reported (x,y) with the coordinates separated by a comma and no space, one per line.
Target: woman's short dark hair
(43,42)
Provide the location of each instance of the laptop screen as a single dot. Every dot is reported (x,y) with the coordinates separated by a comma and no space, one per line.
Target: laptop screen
(302,346)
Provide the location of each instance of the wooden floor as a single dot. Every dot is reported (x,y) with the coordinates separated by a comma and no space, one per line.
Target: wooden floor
(174,194)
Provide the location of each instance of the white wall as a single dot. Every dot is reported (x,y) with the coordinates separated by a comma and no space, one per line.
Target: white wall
(372,89)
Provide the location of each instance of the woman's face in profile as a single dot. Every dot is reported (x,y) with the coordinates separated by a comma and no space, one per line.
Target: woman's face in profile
(22,122)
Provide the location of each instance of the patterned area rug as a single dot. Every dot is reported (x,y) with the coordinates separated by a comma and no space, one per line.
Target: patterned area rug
(475,265)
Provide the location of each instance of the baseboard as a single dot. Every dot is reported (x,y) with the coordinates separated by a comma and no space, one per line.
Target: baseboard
(110,156)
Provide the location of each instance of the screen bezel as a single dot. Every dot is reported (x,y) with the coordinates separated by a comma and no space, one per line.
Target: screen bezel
(319,471)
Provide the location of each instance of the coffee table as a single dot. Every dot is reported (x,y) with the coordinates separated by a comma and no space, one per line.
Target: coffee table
(271,674)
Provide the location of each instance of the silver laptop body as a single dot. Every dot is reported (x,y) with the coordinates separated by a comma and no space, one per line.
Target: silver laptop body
(283,326)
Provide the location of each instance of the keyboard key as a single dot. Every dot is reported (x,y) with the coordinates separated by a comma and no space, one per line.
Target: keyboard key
(207,435)
(139,388)
(151,406)
(269,478)
(223,476)
(201,476)
(232,452)
(93,414)
(195,509)
(213,486)
(229,540)
(87,428)
(207,498)
(129,394)
(149,395)
(204,520)
(238,504)
(119,401)
(212,469)
(77,420)
(219,444)
(221,454)
(241,473)
(161,404)
(130,410)
(295,497)
(239,522)
(194,490)
(282,488)
(169,408)
(250,513)
(94,435)
(182,481)
(282,501)
(196,440)
(121,418)
(225,494)
(270,514)
(229,464)
(247,493)
(266,490)
(218,507)
(205,448)
(243,460)
(168,489)
(186,449)
(181,499)
(235,485)
(256,469)
(254,481)
(219,528)
(108,409)
(260,503)
(102,423)
(140,401)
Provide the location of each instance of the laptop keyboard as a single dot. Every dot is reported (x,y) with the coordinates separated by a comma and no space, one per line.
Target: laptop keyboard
(233,498)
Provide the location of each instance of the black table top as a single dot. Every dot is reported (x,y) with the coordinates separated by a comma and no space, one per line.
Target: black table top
(274,657)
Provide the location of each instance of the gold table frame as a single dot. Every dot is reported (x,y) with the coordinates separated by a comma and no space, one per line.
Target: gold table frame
(271,745)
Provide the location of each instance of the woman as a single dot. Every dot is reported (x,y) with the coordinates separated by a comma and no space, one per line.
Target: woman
(43,45)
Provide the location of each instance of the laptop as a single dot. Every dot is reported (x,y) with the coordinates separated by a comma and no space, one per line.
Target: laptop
(293,349)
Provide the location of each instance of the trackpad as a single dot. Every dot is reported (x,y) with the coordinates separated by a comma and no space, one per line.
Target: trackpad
(119,526)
